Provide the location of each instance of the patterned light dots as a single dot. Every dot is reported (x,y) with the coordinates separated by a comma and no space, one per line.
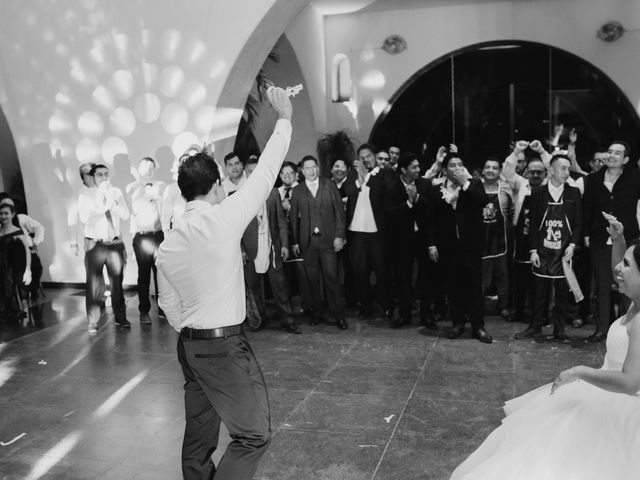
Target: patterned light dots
(373,80)
(111,147)
(122,121)
(225,123)
(205,118)
(171,81)
(196,49)
(169,44)
(59,123)
(184,141)
(63,99)
(174,118)
(147,107)
(103,98)
(88,150)
(90,124)
(149,74)
(193,94)
(122,83)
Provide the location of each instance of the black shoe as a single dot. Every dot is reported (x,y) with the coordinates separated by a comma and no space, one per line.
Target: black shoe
(145,319)
(342,323)
(290,326)
(428,324)
(455,332)
(561,337)
(528,333)
(161,313)
(123,323)
(364,314)
(597,337)
(577,323)
(482,335)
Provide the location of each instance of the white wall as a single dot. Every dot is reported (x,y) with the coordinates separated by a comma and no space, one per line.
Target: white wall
(442,27)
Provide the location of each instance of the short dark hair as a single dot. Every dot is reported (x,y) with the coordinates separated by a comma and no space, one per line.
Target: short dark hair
(149,159)
(367,146)
(197,175)
(448,157)
(252,160)
(97,167)
(4,195)
(636,251)
(381,150)
(493,158)
(85,169)
(308,157)
(231,155)
(289,164)
(558,156)
(625,144)
(406,158)
(346,162)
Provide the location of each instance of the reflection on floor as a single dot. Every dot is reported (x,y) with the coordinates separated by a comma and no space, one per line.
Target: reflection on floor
(366,403)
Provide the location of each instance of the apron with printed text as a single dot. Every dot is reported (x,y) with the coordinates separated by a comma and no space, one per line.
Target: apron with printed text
(521,253)
(555,232)
(495,229)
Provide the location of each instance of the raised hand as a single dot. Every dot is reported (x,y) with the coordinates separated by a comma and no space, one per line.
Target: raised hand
(536,146)
(615,228)
(442,151)
(453,148)
(521,145)
(280,102)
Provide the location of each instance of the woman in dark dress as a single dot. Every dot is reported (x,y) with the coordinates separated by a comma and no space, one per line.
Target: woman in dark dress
(15,262)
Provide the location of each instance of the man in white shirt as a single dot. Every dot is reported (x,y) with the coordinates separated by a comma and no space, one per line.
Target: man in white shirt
(202,292)
(146,202)
(100,209)
(173,202)
(236,176)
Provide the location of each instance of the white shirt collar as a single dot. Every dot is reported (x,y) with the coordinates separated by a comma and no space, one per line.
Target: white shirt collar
(314,183)
(555,192)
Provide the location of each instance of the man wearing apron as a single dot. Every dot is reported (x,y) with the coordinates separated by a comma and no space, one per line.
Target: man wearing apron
(556,221)
(495,217)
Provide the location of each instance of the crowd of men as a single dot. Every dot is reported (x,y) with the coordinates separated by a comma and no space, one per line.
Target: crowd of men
(516,230)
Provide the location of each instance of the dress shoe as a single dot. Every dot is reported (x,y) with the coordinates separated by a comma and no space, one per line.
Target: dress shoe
(561,337)
(577,323)
(342,323)
(123,323)
(455,332)
(597,337)
(506,314)
(145,319)
(482,335)
(528,333)
(290,326)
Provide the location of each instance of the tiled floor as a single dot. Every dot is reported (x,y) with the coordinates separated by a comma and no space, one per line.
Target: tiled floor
(362,404)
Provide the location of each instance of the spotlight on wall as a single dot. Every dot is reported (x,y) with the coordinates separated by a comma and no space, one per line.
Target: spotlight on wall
(610,31)
(394,44)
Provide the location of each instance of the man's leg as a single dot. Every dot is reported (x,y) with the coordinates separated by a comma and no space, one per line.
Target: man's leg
(254,282)
(94,259)
(358,256)
(560,305)
(115,269)
(142,247)
(229,375)
(403,256)
(202,425)
(314,276)
(473,291)
(335,294)
(601,262)
(377,257)
(501,277)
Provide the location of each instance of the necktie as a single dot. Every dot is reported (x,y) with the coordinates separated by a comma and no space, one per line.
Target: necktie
(287,192)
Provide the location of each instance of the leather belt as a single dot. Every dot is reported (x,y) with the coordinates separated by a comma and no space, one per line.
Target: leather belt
(149,232)
(207,333)
(105,241)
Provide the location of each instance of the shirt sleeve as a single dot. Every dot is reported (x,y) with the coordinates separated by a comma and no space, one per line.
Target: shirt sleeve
(239,209)
(169,301)
(34,227)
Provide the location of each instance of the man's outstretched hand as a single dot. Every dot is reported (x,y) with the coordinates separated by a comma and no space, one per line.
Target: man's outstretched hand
(280,102)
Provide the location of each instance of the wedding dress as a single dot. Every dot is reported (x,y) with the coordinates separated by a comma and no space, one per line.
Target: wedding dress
(581,432)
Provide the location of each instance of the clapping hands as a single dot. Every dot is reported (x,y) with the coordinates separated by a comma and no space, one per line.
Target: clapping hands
(615,228)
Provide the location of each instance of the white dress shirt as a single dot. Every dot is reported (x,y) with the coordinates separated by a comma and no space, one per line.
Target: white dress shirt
(313,186)
(146,204)
(173,205)
(555,192)
(31,227)
(200,272)
(92,204)
(363,219)
(282,190)
(229,187)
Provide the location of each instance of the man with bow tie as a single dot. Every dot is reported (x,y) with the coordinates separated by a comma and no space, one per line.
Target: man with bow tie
(455,240)
(146,201)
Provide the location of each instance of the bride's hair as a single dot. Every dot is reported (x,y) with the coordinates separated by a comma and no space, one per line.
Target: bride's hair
(636,252)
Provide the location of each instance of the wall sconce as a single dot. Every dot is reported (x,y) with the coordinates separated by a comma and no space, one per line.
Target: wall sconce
(612,31)
(394,44)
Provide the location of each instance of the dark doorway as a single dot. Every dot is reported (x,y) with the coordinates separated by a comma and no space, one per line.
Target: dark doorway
(485,96)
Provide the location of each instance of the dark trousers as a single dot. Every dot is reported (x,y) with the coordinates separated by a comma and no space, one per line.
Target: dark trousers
(523,288)
(495,271)
(36,274)
(223,381)
(463,279)
(112,256)
(366,252)
(601,264)
(279,288)
(347,277)
(403,252)
(145,246)
(431,286)
(321,265)
(543,298)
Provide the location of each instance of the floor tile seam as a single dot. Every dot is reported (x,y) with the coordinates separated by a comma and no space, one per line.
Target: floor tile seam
(404,408)
(351,433)
(359,395)
(322,377)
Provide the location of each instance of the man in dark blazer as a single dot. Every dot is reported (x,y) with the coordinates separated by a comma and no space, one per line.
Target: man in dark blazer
(406,216)
(318,229)
(456,241)
(365,224)
(614,189)
(263,252)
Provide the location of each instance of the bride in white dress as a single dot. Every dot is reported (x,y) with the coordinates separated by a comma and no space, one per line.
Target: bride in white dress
(586,424)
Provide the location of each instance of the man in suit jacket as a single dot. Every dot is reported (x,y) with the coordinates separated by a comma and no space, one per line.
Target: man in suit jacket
(264,245)
(615,190)
(406,216)
(318,227)
(455,235)
(365,221)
